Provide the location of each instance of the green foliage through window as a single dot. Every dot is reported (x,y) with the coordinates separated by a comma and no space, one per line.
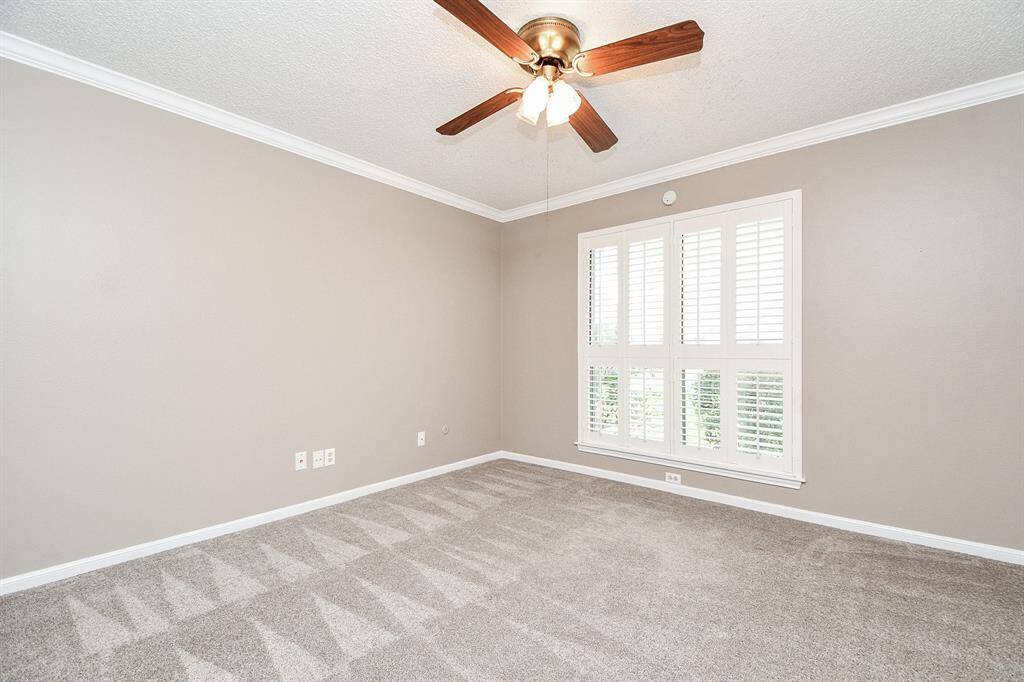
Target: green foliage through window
(603,400)
(700,409)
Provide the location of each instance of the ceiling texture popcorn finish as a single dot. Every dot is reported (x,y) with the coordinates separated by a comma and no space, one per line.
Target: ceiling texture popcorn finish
(335,75)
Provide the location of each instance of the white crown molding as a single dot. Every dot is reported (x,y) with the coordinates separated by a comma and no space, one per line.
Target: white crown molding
(27,52)
(960,98)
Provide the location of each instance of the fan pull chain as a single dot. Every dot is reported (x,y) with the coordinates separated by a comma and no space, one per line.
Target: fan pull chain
(547,178)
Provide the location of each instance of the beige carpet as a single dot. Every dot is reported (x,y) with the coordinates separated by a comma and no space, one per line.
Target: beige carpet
(510,571)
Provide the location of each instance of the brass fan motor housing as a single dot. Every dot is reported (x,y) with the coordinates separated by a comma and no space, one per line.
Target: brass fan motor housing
(553,38)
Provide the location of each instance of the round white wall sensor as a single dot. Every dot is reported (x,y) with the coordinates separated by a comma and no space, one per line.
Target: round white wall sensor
(668,198)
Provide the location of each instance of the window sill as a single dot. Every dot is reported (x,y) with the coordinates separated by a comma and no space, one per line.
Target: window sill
(783,480)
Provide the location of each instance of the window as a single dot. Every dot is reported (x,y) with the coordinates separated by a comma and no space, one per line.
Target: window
(646,292)
(700,287)
(700,411)
(602,400)
(603,302)
(690,340)
(647,404)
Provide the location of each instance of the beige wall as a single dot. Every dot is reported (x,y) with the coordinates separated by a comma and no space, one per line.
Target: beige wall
(183,309)
(913,330)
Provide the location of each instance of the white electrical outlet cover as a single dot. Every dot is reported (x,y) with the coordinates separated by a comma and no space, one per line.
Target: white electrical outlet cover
(318,459)
(300,461)
(673,478)
(421,439)
(329,457)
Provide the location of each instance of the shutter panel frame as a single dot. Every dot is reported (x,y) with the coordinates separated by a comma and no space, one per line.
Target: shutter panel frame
(765,213)
(611,310)
(683,451)
(749,460)
(659,232)
(601,367)
(650,385)
(686,229)
(730,355)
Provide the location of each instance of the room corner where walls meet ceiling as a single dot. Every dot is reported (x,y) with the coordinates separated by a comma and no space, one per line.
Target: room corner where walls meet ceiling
(741,97)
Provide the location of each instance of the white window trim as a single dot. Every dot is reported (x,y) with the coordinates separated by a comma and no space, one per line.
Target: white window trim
(668,456)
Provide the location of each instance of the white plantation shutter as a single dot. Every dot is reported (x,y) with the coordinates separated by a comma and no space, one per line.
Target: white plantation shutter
(603,299)
(760,281)
(700,290)
(647,404)
(759,413)
(700,413)
(689,341)
(646,263)
(603,400)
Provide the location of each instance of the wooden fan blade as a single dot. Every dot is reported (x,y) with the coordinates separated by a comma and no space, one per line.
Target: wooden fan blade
(492,29)
(481,111)
(591,127)
(653,46)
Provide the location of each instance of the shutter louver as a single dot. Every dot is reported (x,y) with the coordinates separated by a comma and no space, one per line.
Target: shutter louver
(701,287)
(603,400)
(700,408)
(603,306)
(760,275)
(647,404)
(759,413)
(647,292)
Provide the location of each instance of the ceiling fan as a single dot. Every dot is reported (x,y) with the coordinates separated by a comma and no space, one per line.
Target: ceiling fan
(549,49)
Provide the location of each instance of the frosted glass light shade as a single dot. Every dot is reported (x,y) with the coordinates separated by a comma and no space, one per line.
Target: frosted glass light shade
(563,103)
(533,101)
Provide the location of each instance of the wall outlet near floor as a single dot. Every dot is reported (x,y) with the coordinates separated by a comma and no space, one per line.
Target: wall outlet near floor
(421,439)
(673,478)
(329,457)
(318,459)
(300,461)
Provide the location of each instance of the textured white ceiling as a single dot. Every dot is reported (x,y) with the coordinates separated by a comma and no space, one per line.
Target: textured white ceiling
(373,78)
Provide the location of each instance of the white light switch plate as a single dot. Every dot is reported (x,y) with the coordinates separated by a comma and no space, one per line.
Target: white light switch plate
(318,459)
(300,461)
(421,439)
(329,457)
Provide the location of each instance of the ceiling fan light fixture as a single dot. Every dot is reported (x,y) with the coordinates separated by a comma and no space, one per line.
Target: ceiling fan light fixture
(534,99)
(526,117)
(563,103)
(549,46)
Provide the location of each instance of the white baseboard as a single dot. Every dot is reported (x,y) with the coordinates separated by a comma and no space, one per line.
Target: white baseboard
(51,574)
(1006,554)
